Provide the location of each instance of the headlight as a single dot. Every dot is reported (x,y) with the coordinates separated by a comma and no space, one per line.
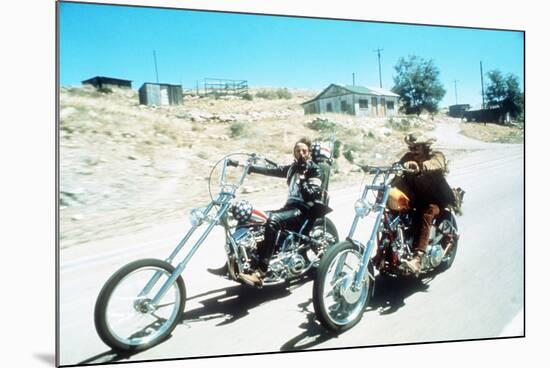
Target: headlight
(196,217)
(362,208)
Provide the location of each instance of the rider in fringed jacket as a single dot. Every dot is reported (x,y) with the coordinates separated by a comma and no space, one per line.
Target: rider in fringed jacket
(427,189)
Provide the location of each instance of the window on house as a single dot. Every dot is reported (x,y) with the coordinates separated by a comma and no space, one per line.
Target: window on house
(363,104)
(343,106)
(329,107)
(390,105)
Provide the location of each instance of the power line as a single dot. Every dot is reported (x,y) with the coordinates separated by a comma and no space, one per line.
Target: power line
(156,69)
(379,65)
(482,86)
(456,94)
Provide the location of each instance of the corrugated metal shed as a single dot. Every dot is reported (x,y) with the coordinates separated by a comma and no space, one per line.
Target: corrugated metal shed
(160,94)
(103,82)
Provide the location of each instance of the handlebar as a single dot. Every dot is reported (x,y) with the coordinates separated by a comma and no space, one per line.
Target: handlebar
(226,162)
(252,159)
(231,162)
(395,168)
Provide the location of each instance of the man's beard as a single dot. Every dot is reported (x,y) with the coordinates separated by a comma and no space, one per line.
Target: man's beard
(301,160)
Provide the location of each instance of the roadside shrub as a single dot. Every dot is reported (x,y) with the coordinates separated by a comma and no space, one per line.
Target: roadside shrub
(348,155)
(280,93)
(404,125)
(323,125)
(237,129)
(105,90)
(248,97)
(283,93)
(336,149)
(268,95)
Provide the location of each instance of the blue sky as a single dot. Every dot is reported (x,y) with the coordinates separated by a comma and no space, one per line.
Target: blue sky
(271,51)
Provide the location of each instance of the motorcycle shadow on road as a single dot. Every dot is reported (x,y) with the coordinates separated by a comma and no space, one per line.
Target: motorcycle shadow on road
(390,293)
(313,335)
(228,304)
(106,357)
(235,302)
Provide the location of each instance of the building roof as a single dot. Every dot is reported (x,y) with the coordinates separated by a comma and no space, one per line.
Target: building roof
(357,90)
(105,79)
(369,90)
(161,84)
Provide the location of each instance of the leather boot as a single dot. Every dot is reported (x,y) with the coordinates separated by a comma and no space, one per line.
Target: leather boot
(415,264)
(255,278)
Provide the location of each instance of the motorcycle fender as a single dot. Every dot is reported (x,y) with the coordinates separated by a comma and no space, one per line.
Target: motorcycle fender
(360,247)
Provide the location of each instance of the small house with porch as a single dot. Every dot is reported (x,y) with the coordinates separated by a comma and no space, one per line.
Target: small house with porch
(353,100)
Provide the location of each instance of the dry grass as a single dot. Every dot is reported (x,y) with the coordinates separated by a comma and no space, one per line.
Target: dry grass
(124,166)
(493,132)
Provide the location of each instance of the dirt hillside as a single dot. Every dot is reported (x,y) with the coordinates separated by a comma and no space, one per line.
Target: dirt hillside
(125,166)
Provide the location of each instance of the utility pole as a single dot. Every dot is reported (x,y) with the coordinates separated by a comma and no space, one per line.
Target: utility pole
(379,65)
(353,77)
(156,69)
(482,87)
(456,95)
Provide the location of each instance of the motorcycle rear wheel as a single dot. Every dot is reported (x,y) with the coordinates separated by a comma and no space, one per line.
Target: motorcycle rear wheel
(329,235)
(337,305)
(124,319)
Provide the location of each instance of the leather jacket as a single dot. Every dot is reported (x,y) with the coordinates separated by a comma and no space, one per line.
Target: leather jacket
(304,181)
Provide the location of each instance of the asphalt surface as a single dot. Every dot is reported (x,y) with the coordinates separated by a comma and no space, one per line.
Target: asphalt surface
(481,296)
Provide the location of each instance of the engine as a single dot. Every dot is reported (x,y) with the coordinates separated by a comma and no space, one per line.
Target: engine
(434,255)
(246,239)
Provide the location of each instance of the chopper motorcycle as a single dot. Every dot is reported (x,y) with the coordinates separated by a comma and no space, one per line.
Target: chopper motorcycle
(345,278)
(141,303)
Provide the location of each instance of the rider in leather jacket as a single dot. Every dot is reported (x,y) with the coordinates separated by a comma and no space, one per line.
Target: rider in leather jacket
(304,179)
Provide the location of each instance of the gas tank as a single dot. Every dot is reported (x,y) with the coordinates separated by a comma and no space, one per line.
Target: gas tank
(398,201)
(244,213)
(257,217)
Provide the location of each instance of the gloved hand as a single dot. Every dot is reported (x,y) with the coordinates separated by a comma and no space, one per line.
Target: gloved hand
(412,165)
(429,166)
(309,192)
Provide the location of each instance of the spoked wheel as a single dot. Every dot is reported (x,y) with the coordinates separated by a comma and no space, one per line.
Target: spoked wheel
(448,227)
(125,318)
(339,305)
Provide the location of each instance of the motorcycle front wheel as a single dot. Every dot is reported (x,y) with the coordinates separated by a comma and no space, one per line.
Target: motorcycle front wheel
(124,317)
(338,304)
(448,227)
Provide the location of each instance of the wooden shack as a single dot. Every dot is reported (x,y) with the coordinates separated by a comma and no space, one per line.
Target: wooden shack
(457,111)
(108,82)
(353,100)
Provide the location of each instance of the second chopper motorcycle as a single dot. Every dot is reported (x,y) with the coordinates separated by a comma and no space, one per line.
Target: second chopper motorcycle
(345,278)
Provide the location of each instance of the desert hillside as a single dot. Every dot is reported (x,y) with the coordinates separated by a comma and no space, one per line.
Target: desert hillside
(125,166)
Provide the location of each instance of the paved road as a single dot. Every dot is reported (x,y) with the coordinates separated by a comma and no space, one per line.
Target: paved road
(480,296)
